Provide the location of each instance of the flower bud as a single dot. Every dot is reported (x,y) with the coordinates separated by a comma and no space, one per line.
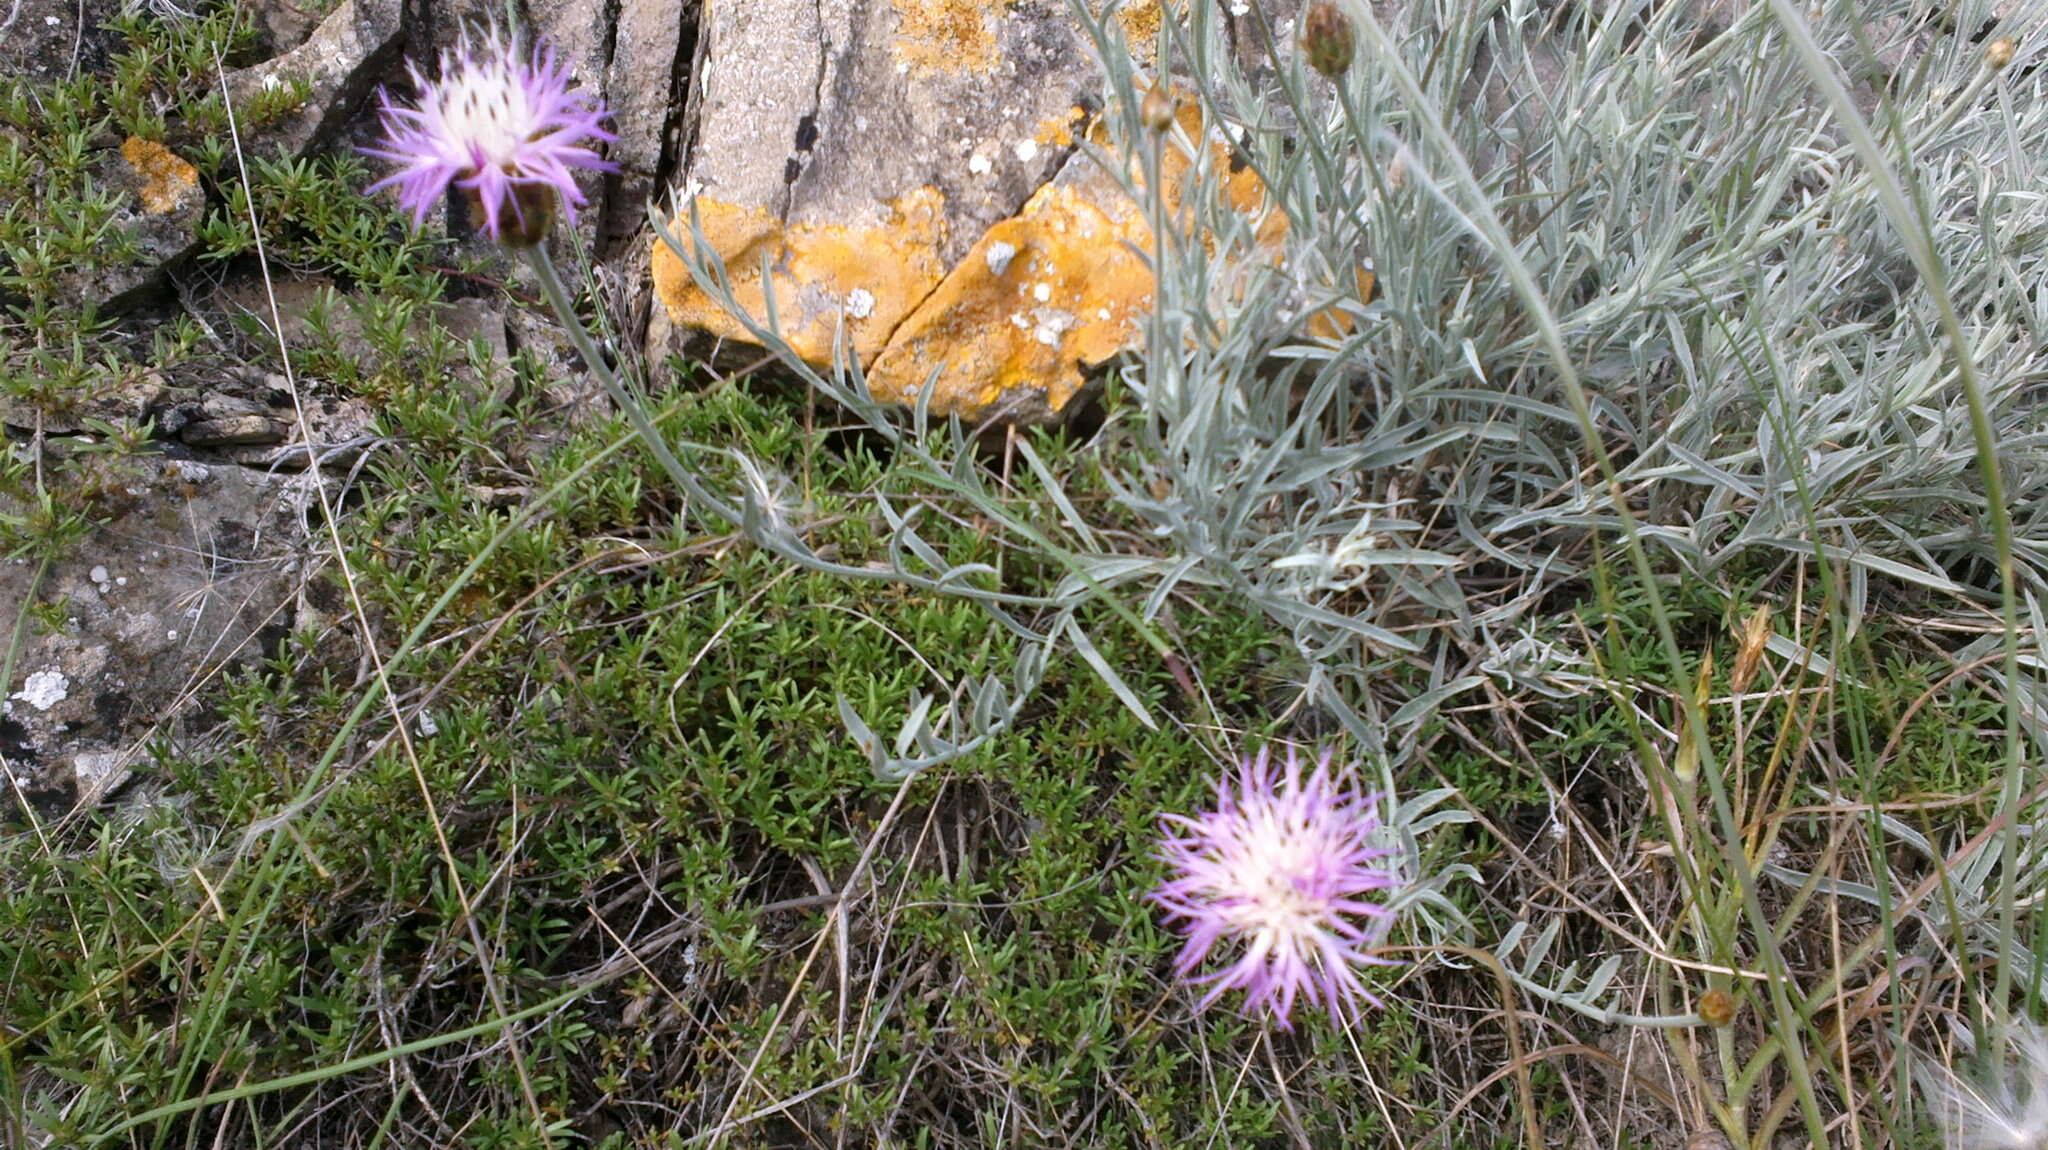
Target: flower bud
(1716,1007)
(1156,111)
(1327,39)
(1998,53)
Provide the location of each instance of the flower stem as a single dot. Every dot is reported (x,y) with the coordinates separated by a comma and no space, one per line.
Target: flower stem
(629,405)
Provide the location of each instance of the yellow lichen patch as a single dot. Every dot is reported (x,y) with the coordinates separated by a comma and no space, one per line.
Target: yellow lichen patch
(1042,297)
(1058,131)
(868,277)
(945,37)
(1011,330)
(1140,19)
(166,179)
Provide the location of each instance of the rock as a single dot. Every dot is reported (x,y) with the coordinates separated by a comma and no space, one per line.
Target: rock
(643,88)
(1045,295)
(195,570)
(234,430)
(311,310)
(282,25)
(568,389)
(862,151)
(220,405)
(49,40)
(952,228)
(342,430)
(339,65)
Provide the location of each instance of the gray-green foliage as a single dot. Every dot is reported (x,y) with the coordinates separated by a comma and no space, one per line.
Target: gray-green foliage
(1747,324)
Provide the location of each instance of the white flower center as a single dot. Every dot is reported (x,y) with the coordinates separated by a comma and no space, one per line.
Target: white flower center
(485,105)
(1266,878)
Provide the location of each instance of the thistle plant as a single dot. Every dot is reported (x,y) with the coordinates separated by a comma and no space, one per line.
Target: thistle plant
(1285,866)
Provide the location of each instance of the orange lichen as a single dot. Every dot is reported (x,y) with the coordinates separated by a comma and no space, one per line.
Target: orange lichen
(1058,131)
(1041,297)
(1052,292)
(868,277)
(1039,300)
(167,181)
(1140,20)
(945,37)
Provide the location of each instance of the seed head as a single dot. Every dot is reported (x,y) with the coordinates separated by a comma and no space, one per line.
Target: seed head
(505,128)
(1280,868)
(1999,52)
(2008,1110)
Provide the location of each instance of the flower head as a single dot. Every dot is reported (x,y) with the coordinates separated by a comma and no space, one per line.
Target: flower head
(503,126)
(2008,1111)
(1281,867)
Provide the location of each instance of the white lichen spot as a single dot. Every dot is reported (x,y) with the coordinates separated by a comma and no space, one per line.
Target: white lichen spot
(1042,292)
(1017,319)
(1026,150)
(1052,324)
(999,257)
(979,164)
(860,303)
(1102,314)
(44,689)
(97,575)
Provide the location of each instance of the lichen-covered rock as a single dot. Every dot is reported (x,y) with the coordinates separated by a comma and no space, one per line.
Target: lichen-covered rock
(1005,320)
(195,571)
(847,158)
(1044,295)
(866,277)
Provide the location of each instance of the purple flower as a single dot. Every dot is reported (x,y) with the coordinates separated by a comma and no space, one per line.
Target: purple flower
(1280,867)
(504,127)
